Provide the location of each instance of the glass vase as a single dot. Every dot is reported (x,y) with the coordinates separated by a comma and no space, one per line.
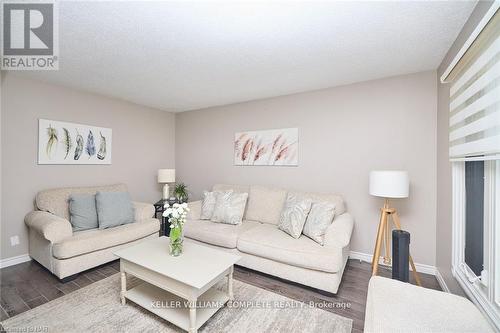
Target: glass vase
(176,241)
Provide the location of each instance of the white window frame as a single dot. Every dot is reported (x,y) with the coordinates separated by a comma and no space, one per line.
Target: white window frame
(483,291)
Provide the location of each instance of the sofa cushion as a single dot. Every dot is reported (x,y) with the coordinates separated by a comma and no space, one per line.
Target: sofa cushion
(229,187)
(294,214)
(83,212)
(230,207)
(224,235)
(319,219)
(208,205)
(269,242)
(265,204)
(56,201)
(235,188)
(93,240)
(335,199)
(114,209)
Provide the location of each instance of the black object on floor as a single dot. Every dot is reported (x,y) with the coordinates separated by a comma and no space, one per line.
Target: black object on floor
(400,255)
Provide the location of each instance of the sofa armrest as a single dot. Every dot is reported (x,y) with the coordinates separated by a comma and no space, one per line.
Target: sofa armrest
(52,227)
(339,232)
(194,210)
(143,211)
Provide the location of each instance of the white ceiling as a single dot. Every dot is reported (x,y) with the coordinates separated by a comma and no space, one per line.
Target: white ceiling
(182,56)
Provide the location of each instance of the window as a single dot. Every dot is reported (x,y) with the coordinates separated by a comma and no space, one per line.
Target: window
(474,150)
(474,216)
(476,231)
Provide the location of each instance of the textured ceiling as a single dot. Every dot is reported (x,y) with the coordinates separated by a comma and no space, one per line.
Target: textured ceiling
(182,56)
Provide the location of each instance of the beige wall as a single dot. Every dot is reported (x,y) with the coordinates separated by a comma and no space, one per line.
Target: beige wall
(344,133)
(444,205)
(143,141)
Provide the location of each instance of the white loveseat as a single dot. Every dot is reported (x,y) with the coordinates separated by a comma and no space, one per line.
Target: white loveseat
(265,248)
(53,243)
(393,307)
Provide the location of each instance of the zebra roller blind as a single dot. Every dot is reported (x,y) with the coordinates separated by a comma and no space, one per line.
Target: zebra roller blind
(475,98)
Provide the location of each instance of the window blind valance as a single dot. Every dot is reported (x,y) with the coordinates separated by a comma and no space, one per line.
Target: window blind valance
(475,97)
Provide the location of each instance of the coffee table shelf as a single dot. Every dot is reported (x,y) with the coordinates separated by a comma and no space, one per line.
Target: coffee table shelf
(145,294)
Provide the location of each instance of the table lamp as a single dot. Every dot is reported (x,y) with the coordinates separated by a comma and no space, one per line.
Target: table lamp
(388,184)
(166,176)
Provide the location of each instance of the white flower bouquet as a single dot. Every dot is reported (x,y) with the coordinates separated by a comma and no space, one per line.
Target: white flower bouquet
(176,214)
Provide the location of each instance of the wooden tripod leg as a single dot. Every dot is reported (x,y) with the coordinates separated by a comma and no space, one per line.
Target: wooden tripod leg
(387,258)
(395,218)
(380,225)
(380,234)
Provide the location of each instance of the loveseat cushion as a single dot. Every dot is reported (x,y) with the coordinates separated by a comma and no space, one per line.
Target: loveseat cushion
(83,212)
(114,209)
(56,201)
(93,240)
(269,242)
(265,204)
(224,235)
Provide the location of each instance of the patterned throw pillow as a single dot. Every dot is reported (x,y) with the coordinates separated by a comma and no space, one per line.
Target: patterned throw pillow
(294,214)
(319,219)
(208,205)
(230,207)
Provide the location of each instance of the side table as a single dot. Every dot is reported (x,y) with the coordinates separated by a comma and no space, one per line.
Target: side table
(159,209)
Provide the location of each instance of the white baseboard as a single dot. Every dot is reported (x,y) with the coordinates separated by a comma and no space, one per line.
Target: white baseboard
(14,260)
(421,268)
(441,281)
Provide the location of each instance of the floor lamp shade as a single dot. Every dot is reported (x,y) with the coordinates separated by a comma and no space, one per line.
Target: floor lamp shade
(389,184)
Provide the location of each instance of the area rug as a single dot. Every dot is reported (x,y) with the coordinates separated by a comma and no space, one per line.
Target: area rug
(97,308)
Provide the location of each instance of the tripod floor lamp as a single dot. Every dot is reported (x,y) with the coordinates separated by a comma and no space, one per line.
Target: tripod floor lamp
(388,185)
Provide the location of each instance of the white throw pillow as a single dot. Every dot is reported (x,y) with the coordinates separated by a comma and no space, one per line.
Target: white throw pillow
(294,214)
(230,207)
(208,205)
(319,219)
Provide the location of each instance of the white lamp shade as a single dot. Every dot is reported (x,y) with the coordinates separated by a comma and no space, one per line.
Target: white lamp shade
(166,176)
(389,184)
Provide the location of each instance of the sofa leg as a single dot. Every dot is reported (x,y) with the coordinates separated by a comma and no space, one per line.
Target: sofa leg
(69,278)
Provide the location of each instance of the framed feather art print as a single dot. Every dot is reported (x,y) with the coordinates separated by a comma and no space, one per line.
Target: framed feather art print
(276,147)
(70,143)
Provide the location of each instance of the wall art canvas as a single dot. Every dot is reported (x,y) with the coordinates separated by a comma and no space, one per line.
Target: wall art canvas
(269,147)
(69,143)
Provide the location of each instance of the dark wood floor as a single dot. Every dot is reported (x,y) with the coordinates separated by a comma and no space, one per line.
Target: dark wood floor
(28,285)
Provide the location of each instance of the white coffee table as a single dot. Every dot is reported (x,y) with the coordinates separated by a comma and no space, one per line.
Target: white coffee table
(178,289)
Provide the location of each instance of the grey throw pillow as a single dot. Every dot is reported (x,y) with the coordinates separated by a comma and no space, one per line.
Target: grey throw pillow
(114,209)
(319,219)
(83,213)
(230,207)
(208,205)
(294,214)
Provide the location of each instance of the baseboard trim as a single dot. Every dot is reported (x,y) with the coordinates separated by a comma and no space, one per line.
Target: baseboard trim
(14,260)
(421,268)
(442,282)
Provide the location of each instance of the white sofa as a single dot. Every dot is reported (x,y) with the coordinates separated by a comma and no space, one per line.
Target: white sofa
(265,248)
(54,245)
(393,307)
